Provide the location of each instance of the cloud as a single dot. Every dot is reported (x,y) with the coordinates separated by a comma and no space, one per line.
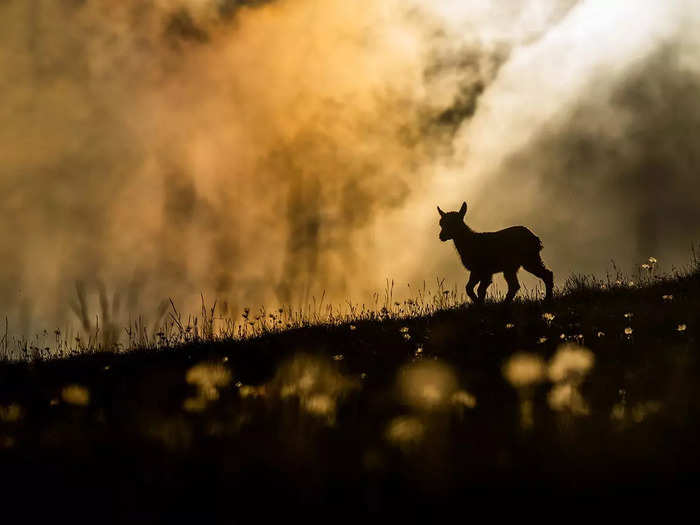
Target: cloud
(261,152)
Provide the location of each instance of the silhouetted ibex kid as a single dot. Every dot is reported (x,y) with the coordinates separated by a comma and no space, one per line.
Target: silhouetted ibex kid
(484,254)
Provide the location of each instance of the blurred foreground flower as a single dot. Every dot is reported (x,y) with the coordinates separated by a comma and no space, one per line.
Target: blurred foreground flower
(321,405)
(523,371)
(638,413)
(426,385)
(567,369)
(314,381)
(11,413)
(565,396)
(405,432)
(208,378)
(642,411)
(75,395)
(462,398)
(6,441)
(570,363)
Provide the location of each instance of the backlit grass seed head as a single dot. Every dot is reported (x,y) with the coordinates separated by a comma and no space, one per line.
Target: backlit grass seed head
(75,395)
(524,369)
(426,385)
(652,261)
(570,363)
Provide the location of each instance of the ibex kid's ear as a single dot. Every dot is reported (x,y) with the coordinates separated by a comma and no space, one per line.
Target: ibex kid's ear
(463,210)
(442,213)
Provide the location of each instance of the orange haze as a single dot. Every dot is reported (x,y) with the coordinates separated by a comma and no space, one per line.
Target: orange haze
(261,152)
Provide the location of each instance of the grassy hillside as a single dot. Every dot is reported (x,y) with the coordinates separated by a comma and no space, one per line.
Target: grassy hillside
(593,394)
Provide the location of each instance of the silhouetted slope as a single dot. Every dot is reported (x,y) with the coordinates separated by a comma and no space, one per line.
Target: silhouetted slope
(380,414)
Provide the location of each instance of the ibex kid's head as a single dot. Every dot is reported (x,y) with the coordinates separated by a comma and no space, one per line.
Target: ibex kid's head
(451,222)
